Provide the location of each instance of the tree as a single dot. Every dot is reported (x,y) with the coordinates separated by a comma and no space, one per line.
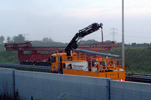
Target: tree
(47,39)
(133,44)
(19,38)
(50,40)
(2,39)
(8,39)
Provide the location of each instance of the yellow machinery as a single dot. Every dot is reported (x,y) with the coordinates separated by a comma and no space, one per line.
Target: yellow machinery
(108,67)
(73,63)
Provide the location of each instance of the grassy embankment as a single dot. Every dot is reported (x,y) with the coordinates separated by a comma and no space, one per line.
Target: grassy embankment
(8,56)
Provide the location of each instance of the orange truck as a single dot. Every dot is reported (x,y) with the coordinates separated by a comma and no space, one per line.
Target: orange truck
(75,63)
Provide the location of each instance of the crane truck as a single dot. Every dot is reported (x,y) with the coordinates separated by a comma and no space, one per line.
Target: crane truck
(75,63)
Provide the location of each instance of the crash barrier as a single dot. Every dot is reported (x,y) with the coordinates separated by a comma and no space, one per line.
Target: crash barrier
(49,86)
(129,90)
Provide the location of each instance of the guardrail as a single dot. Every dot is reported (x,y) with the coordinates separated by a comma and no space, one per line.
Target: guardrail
(136,78)
(27,67)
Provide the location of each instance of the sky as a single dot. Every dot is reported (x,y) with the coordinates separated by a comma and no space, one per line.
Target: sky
(60,20)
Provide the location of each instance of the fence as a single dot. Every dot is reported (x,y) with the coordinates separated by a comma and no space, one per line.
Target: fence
(48,86)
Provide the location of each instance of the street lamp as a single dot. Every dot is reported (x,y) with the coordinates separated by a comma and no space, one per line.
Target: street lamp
(122,28)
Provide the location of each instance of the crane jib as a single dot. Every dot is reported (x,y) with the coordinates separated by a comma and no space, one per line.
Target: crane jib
(83,32)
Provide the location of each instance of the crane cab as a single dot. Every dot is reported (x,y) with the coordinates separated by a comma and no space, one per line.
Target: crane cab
(61,61)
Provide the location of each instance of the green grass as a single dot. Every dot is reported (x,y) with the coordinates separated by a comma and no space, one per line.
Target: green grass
(2,49)
(9,57)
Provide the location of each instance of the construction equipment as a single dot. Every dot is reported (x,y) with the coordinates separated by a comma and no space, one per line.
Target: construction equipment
(73,63)
(81,34)
(29,55)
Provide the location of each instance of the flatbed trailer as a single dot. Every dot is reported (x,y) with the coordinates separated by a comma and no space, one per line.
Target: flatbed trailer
(37,58)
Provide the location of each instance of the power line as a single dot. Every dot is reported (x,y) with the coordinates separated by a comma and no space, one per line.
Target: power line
(136,32)
(135,36)
(113,32)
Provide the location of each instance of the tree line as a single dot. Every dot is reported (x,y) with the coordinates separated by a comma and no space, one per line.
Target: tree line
(50,42)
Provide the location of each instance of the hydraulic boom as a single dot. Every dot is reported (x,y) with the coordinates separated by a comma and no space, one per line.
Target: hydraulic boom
(83,32)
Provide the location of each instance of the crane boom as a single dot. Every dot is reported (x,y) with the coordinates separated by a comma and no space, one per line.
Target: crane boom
(83,32)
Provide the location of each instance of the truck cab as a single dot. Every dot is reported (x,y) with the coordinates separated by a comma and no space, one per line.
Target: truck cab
(61,61)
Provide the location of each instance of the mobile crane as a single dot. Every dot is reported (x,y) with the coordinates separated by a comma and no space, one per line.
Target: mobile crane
(73,63)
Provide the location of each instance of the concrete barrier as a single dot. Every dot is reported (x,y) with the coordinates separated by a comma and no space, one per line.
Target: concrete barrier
(7,80)
(47,86)
(129,91)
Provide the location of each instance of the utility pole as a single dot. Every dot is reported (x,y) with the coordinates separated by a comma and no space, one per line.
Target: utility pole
(102,34)
(123,29)
(113,33)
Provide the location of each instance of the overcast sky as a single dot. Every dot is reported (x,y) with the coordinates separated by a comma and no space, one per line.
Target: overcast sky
(62,19)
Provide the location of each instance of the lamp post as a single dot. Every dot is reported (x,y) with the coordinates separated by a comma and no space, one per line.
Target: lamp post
(123,29)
